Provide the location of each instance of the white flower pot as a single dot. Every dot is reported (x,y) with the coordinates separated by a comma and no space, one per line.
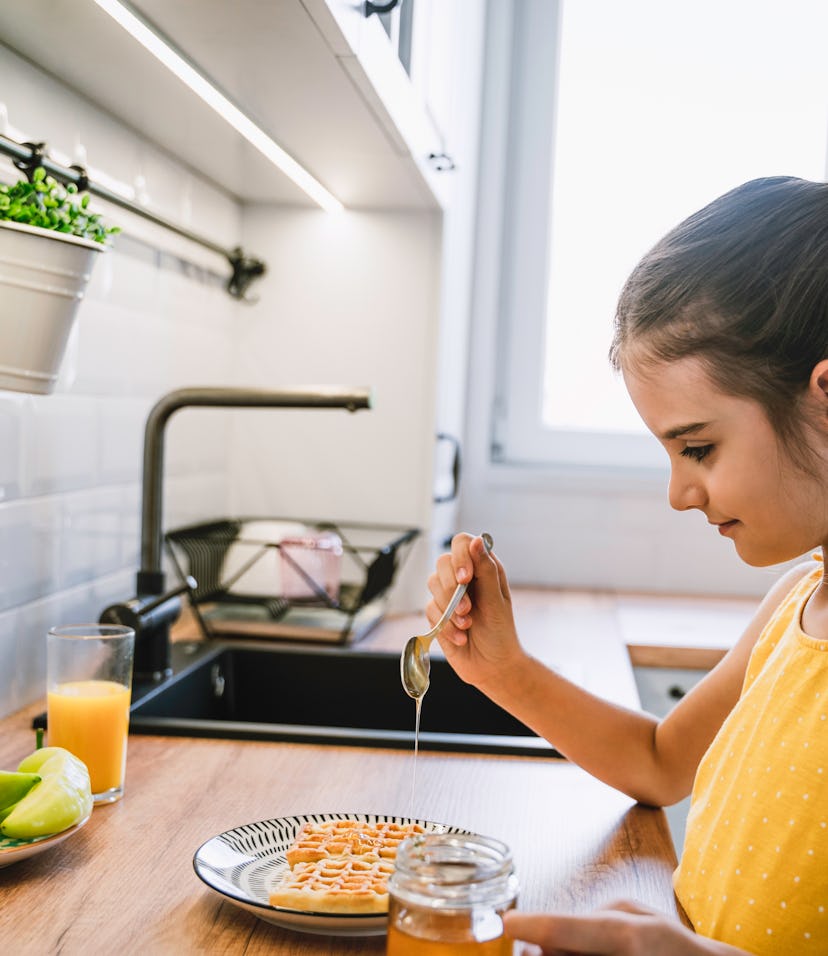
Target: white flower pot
(43,276)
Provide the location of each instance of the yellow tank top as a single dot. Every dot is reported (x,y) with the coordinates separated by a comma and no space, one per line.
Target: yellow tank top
(754,872)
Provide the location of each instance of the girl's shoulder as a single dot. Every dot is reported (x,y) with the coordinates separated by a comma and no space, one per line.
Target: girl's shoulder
(777,605)
(802,577)
(789,588)
(786,597)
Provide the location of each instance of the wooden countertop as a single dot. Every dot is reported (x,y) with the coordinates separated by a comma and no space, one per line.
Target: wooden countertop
(125,882)
(681,632)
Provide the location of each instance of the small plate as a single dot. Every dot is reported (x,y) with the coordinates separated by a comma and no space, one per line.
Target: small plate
(242,863)
(13,851)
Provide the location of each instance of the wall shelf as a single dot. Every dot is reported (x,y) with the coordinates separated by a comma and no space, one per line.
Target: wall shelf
(29,156)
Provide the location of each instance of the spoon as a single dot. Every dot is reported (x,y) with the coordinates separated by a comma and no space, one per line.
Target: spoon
(415,663)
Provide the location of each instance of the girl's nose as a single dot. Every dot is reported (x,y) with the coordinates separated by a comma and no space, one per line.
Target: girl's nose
(686,491)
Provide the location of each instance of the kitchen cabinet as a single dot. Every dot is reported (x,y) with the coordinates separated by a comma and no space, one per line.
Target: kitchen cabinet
(427,101)
(443,46)
(320,78)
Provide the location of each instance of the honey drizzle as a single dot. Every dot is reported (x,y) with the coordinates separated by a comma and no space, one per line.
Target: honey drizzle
(418,704)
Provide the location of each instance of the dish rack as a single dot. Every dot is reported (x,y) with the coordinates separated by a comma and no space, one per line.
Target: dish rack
(289,579)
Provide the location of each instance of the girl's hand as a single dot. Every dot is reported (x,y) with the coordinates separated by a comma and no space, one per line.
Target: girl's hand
(622,929)
(479,640)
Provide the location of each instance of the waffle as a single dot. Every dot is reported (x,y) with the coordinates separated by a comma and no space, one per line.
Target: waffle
(335,885)
(316,841)
(340,866)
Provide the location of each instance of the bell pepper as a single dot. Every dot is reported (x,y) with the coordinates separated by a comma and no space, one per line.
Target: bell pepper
(62,798)
(13,787)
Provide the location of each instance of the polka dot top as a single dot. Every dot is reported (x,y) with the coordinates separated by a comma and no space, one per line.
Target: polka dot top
(754,872)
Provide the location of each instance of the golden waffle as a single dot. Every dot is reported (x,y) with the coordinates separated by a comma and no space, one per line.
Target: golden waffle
(335,885)
(340,866)
(316,841)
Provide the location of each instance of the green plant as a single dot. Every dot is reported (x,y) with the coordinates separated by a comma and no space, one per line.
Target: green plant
(45,203)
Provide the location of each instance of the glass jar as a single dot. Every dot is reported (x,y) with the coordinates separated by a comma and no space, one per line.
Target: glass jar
(447,895)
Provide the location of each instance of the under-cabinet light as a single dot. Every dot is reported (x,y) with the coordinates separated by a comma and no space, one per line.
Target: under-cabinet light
(243,125)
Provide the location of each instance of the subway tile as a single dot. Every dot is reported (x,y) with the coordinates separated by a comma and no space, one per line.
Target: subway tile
(8,662)
(121,423)
(30,531)
(23,651)
(11,438)
(120,351)
(75,606)
(131,527)
(113,589)
(61,444)
(33,622)
(90,542)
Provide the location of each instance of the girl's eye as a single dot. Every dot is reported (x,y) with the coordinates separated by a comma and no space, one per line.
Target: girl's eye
(697,452)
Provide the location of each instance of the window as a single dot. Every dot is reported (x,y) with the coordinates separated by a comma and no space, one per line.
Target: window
(626,117)
(604,123)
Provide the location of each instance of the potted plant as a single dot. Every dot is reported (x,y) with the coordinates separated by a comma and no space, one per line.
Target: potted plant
(48,245)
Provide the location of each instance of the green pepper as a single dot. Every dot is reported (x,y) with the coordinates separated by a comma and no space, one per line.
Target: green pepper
(62,798)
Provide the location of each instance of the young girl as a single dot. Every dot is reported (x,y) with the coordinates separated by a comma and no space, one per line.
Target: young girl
(721,336)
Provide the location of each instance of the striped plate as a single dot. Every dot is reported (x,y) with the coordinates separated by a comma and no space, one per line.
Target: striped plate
(242,863)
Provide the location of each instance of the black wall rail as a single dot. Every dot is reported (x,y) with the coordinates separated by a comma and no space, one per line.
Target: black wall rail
(29,156)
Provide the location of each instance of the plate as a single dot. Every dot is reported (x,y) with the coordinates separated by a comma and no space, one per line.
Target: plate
(242,863)
(13,851)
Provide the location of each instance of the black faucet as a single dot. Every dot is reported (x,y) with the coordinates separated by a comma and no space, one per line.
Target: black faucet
(153,612)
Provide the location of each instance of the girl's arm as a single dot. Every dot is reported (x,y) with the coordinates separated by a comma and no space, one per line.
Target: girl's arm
(650,760)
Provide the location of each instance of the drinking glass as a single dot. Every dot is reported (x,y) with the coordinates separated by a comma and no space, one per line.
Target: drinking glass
(89,681)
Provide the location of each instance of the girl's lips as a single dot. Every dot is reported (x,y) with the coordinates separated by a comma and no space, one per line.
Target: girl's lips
(726,527)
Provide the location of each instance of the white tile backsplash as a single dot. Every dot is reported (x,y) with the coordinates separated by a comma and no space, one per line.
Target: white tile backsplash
(91,539)
(60,444)
(11,436)
(112,588)
(8,655)
(120,455)
(31,625)
(155,317)
(29,532)
(131,527)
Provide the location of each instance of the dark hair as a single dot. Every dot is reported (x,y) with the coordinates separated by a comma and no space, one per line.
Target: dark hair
(742,284)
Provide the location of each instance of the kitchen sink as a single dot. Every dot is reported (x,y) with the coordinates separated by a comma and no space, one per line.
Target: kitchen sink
(323,695)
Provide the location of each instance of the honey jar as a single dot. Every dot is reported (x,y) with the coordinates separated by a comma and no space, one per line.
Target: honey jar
(447,896)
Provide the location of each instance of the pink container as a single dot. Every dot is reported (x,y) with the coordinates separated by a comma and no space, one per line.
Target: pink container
(319,555)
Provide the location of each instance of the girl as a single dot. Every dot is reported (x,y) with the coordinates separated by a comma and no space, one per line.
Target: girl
(721,336)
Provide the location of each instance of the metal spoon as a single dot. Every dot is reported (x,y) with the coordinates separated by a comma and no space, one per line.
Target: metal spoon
(415,663)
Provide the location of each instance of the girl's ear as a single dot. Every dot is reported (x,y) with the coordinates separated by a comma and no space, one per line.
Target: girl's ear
(819,378)
(819,385)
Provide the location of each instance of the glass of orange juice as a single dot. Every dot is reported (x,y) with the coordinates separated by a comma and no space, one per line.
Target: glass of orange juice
(89,682)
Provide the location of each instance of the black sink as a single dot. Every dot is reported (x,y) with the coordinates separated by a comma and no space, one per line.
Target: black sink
(248,690)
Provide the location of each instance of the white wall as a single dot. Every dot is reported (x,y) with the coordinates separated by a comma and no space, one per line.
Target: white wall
(351,299)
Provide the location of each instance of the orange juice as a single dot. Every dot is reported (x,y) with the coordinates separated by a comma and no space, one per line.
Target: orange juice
(90,719)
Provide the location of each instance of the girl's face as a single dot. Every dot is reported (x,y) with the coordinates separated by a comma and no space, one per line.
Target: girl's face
(727,462)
